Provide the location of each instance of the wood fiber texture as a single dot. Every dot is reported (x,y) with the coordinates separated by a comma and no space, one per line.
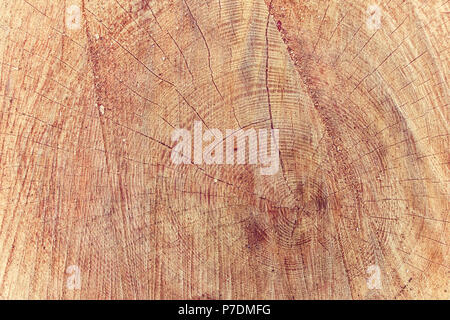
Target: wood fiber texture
(359,91)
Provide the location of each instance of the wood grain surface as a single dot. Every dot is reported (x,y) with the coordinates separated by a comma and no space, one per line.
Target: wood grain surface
(92,207)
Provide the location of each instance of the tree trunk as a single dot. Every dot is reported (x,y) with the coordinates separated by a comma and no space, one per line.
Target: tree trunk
(93,206)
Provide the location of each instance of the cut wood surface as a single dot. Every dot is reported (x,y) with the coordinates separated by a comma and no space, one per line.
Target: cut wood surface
(92,207)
